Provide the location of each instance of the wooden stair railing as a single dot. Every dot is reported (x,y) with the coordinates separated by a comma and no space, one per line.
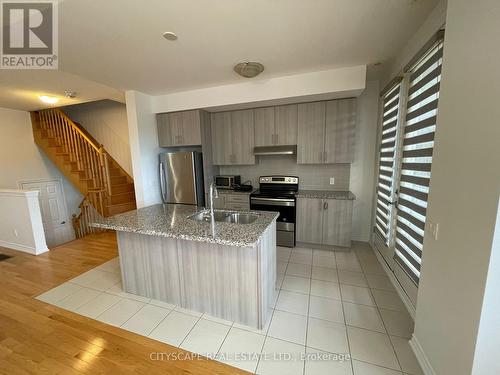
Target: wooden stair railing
(103,183)
(88,214)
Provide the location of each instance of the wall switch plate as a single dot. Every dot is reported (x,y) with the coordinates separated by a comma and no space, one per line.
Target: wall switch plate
(332,180)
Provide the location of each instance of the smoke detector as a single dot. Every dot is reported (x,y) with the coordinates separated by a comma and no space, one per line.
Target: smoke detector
(249,69)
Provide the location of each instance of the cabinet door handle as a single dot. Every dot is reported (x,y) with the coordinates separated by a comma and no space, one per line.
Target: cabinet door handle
(321,156)
(324,156)
(325,205)
(276,139)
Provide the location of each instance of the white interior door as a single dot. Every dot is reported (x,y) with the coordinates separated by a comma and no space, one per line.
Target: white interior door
(56,223)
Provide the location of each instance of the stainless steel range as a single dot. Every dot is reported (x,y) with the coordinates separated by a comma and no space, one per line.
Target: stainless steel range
(277,193)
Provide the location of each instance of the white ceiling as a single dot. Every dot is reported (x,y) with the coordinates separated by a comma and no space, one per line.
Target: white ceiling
(119,43)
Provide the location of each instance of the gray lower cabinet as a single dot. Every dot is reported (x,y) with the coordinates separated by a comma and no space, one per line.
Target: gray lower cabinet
(233,137)
(324,221)
(179,129)
(337,222)
(309,220)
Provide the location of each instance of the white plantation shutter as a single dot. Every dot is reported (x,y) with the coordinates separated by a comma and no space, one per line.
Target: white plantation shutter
(385,184)
(416,159)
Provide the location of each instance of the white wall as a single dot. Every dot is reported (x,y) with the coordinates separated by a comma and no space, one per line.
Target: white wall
(464,191)
(486,355)
(431,25)
(321,85)
(144,148)
(363,167)
(22,160)
(24,230)
(106,121)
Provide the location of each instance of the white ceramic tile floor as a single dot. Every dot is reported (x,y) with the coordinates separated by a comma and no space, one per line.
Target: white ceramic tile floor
(289,327)
(296,284)
(337,303)
(326,309)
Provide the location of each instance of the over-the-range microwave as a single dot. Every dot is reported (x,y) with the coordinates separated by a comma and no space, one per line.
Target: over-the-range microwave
(227,181)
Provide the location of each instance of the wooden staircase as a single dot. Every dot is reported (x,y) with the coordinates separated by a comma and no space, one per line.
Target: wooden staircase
(106,187)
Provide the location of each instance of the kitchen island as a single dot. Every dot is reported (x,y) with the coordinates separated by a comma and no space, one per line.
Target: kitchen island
(171,253)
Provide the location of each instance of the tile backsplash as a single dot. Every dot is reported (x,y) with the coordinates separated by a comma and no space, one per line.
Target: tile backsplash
(311,176)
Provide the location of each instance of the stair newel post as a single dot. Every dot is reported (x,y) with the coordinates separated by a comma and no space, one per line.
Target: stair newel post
(106,170)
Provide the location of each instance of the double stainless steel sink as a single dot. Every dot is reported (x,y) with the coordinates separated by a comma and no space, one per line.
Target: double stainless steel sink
(225,217)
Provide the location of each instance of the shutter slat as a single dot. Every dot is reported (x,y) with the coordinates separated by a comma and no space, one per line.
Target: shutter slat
(412,219)
(415,207)
(408,271)
(392,106)
(410,246)
(390,125)
(424,109)
(422,167)
(422,181)
(410,232)
(430,121)
(421,97)
(414,193)
(390,134)
(419,153)
(434,58)
(427,137)
(432,75)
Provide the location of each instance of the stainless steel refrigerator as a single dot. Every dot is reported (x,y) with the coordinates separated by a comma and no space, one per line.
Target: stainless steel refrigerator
(181,178)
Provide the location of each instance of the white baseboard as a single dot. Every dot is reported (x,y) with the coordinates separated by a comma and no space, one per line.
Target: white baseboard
(23,248)
(422,359)
(404,297)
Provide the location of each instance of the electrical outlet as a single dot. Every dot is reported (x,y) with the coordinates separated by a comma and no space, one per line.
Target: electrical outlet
(332,180)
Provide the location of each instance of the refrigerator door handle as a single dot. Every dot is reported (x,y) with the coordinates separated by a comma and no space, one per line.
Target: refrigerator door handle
(162,182)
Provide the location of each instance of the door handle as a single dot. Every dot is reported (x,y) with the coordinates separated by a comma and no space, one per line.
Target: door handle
(63,222)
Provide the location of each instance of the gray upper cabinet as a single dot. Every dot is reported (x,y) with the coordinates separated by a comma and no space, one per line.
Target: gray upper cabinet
(326,132)
(285,124)
(179,129)
(276,125)
(311,133)
(233,137)
(340,131)
(222,145)
(242,130)
(265,132)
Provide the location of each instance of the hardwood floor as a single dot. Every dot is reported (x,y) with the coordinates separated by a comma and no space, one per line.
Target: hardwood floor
(37,338)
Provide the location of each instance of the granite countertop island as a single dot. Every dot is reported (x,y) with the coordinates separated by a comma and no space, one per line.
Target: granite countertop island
(326,194)
(172,220)
(227,270)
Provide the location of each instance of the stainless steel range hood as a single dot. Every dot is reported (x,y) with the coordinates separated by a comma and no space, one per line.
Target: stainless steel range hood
(275,150)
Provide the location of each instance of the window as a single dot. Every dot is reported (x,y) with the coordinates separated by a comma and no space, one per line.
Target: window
(385,185)
(416,161)
(409,110)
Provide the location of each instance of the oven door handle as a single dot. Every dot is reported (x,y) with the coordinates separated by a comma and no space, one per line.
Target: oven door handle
(273,201)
